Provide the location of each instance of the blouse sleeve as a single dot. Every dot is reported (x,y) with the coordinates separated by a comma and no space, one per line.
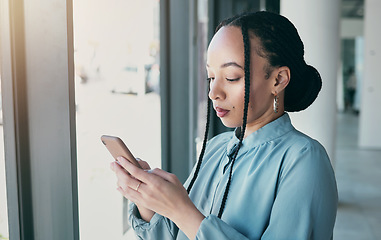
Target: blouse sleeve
(214,228)
(306,200)
(158,228)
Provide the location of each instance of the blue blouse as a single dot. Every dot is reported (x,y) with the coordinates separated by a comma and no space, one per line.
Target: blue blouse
(283,187)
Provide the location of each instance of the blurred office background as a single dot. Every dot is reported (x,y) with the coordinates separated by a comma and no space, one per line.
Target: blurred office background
(74,70)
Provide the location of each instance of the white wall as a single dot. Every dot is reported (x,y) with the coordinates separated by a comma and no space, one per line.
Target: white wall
(370,116)
(351,28)
(318,24)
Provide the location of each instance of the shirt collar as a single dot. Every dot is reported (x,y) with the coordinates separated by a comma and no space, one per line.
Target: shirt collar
(267,133)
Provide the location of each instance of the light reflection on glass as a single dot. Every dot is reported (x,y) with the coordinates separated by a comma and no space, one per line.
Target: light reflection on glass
(3,194)
(117,93)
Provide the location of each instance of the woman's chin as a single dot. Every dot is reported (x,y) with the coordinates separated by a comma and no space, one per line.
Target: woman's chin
(228,124)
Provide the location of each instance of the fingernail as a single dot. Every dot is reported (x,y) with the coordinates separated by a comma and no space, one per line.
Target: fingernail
(119,159)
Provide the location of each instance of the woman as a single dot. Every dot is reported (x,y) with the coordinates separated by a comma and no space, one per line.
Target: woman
(265,180)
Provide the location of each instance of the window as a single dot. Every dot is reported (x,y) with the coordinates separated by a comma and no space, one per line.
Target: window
(40,109)
(3,193)
(202,84)
(116,45)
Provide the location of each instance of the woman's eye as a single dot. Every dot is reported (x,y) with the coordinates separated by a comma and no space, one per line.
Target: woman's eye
(233,79)
(210,78)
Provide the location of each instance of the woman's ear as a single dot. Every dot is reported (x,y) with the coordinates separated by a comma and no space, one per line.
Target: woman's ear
(282,79)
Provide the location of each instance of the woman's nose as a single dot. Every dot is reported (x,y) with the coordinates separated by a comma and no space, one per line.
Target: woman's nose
(216,89)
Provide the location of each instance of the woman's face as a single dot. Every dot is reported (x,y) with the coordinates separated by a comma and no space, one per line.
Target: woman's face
(225,67)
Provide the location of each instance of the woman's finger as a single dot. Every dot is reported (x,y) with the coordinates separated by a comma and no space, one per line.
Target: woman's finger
(138,173)
(118,169)
(125,180)
(143,164)
(129,194)
(131,183)
(165,175)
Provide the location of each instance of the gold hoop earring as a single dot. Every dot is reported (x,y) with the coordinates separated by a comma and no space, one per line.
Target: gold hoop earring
(276,104)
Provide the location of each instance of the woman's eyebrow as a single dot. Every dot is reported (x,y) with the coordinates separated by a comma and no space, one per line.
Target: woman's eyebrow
(228,64)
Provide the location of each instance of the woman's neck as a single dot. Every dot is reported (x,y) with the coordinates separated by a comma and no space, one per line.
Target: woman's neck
(262,121)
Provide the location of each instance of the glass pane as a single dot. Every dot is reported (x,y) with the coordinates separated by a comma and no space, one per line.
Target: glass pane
(3,193)
(202,98)
(117,93)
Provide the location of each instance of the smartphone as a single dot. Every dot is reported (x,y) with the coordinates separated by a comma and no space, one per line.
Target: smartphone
(117,148)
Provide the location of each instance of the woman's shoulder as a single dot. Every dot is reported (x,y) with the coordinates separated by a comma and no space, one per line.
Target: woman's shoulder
(303,149)
(300,141)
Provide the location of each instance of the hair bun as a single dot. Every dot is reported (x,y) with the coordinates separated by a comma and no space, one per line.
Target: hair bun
(302,91)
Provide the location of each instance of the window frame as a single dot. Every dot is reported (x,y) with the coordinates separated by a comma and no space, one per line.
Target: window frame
(39,135)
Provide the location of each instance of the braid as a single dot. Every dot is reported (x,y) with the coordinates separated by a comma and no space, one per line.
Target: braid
(246,42)
(203,146)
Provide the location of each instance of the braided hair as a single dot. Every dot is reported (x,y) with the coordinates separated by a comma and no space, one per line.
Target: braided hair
(281,45)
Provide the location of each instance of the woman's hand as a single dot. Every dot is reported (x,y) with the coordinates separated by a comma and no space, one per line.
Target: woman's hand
(122,183)
(160,191)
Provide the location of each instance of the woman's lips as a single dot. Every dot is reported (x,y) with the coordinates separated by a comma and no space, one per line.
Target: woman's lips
(221,112)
